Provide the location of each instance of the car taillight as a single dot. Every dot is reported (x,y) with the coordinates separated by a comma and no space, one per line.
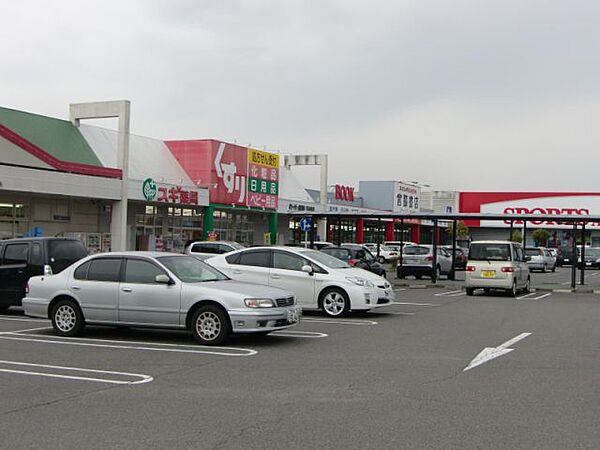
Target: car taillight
(27,289)
(47,270)
(352,262)
(470,268)
(429,258)
(507,269)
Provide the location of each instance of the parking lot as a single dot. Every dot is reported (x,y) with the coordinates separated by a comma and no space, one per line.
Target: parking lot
(555,281)
(391,379)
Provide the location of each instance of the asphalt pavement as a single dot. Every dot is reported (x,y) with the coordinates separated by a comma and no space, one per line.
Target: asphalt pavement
(394,378)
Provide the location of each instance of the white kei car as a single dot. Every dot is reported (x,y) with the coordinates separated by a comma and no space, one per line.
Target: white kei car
(318,280)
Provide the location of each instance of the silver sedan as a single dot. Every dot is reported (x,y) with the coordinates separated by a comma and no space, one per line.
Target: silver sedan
(163,290)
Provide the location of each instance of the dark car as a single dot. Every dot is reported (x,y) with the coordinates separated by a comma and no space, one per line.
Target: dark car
(23,258)
(357,256)
(565,256)
(592,258)
(460,257)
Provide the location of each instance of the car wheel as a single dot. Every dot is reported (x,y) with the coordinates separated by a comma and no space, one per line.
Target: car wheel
(513,291)
(470,291)
(527,288)
(3,309)
(335,303)
(210,325)
(554,269)
(67,318)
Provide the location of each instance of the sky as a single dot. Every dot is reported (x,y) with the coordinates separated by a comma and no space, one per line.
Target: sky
(458,95)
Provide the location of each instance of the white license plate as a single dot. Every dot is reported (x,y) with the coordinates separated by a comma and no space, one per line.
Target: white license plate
(292,317)
(411,260)
(588,264)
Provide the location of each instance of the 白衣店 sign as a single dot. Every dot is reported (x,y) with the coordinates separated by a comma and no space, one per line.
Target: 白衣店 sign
(156,192)
(263,179)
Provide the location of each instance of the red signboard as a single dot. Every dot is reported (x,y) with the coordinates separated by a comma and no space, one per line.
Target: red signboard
(221,167)
(344,193)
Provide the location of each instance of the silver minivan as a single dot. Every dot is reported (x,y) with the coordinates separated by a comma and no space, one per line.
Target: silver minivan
(497,265)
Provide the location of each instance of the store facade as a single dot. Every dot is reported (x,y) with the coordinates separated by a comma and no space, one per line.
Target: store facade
(244,189)
(58,179)
(547,203)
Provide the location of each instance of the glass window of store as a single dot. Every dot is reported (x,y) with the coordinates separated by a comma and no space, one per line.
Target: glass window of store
(347,233)
(234,226)
(164,228)
(13,220)
(370,230)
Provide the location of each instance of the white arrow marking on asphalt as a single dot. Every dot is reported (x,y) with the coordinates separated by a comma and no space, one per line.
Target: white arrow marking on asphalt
(489,353)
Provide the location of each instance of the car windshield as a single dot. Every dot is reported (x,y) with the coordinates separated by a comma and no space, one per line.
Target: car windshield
(325,259)
(489,252)
(191,270)
(236,245)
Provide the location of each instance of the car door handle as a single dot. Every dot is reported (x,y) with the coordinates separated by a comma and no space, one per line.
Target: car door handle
(75,288)
(275,277)
(126,289)
(237,272)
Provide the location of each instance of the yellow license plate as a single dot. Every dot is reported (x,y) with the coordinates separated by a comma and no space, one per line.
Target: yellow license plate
(488,273)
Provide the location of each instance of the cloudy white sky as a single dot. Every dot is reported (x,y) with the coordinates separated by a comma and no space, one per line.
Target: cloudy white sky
(469,95)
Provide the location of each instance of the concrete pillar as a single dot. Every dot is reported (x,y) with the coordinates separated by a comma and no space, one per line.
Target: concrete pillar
(322,229)
(360,230)
(121,110)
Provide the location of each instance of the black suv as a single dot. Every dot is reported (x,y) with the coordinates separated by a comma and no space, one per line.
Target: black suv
(23,258)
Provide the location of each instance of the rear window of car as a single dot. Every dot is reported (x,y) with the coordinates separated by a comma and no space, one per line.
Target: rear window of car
(63,253)
(489,252)
(416,250)
(104,269)
(533,251)
(256,259)
(16,254)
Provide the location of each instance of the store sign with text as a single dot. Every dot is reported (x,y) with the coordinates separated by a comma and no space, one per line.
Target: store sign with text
(573,206)
(407,198)
(158,192)
(344,193)
(263,179)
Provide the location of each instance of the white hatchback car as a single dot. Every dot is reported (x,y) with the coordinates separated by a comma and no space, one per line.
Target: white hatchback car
(319,281)
(497,265)
(164,290)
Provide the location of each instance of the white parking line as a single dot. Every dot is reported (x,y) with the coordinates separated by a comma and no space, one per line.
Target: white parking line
(414,304)
(525,296)
(300,334)
(441,294)
(17,319)
(542,296)
(28,329)
(142,378)
(87,342)
(398,313)
(342,321)
(460,294)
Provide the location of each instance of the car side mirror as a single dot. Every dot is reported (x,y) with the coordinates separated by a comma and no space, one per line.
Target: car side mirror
(307,269)
(163,279)
(527,258)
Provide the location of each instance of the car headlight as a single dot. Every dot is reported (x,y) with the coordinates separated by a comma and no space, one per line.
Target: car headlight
(360,281)
(259,303)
